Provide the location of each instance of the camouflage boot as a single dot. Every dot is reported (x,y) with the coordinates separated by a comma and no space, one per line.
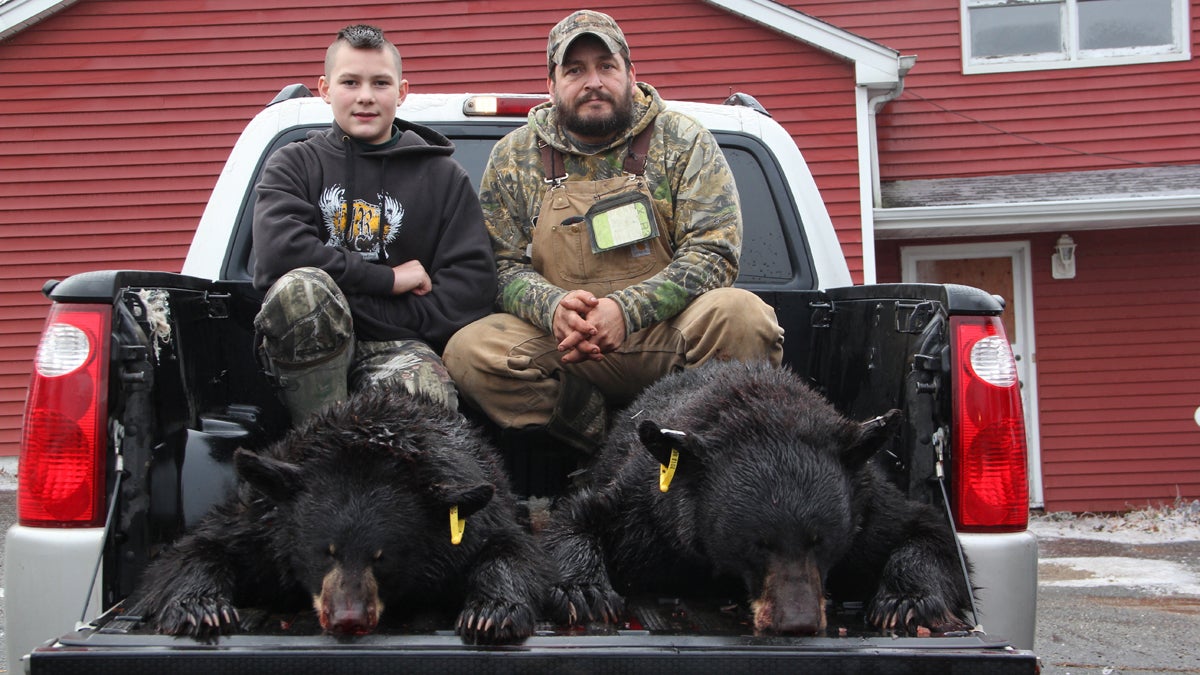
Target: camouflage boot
(580,417)
(305,340)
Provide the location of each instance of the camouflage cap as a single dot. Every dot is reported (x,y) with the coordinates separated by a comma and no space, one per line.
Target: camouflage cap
(584,21)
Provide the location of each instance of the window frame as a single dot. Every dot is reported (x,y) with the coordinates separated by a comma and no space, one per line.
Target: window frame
(1072,55)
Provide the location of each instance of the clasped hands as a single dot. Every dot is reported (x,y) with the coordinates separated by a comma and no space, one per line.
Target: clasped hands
(587,327)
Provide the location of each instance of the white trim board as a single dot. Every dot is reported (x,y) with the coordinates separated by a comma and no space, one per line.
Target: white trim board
(1024,343)
(17,15)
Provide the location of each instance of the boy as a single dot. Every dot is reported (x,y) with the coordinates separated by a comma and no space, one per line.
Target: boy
(369,242)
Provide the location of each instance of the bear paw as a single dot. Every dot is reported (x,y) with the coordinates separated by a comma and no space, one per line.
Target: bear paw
(578,604)
(485,622)
(197,616)
(907,614)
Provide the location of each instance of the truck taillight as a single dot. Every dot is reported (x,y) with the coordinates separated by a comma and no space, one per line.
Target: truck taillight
(60,480)
(991,488)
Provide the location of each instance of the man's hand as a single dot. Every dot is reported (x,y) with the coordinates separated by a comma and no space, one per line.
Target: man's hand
(572,329)
(410,277)
(587,327)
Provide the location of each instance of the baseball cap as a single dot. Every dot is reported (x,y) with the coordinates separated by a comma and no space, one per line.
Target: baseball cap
(578,23)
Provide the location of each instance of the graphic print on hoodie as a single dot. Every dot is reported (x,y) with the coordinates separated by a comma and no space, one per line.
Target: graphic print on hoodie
(370,225)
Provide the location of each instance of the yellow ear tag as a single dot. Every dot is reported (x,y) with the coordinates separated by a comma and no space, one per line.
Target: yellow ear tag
(667,473)
(456,526)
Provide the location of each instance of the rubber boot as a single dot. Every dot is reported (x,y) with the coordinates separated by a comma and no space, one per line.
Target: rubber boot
(310,388)
(580,417)
(304,338)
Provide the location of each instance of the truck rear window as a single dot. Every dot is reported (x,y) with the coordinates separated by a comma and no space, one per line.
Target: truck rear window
(774,251)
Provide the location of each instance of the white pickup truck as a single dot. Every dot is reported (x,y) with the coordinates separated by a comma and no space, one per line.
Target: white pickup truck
(144,383)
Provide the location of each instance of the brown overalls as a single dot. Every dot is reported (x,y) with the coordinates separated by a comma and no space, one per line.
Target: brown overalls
(513,370)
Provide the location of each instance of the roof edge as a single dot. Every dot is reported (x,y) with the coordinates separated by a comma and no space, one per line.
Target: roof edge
(1028,217)
(874,64)
(17,15)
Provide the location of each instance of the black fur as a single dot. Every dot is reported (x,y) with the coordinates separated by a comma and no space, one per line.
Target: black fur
(774,492)
(350,512)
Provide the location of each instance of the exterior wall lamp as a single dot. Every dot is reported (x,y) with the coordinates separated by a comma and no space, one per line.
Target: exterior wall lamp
(1062,263)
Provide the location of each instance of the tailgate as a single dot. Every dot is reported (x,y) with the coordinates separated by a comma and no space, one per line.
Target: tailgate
(626,652)
(663,635)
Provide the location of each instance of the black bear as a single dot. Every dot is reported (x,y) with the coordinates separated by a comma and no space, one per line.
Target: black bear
(743,473)
(386,500)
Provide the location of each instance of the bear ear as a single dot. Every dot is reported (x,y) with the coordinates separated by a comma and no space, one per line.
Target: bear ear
(468,498)
(869,437)
(280,481)
(675,451)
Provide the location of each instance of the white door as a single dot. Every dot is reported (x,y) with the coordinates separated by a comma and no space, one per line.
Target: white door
(1003,269)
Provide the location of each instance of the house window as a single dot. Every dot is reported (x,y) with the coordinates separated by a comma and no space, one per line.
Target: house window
(1012,35)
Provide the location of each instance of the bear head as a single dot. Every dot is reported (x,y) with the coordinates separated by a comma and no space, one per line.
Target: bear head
(772,498)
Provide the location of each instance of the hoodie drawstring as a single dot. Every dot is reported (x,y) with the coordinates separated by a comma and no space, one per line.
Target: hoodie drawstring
(348,196)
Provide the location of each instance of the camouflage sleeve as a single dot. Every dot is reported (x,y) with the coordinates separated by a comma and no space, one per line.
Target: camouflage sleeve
(510,190)
(693,183)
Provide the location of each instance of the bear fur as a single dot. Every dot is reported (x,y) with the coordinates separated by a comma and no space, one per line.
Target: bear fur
(350,513)
(774,493)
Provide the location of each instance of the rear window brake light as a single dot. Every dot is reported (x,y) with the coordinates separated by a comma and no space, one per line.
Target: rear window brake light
(508,105)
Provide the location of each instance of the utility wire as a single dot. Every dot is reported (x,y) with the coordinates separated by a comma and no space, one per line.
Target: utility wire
(993,127)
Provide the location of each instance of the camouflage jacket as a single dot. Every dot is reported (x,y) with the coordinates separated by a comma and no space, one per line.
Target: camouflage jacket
(694,195)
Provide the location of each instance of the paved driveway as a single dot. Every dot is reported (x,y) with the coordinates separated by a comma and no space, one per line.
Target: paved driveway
(1119,603)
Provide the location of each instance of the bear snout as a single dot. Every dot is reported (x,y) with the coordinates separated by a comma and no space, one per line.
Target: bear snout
(349,603)
(792,600)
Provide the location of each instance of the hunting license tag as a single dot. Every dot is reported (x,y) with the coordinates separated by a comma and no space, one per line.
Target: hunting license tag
(621,220)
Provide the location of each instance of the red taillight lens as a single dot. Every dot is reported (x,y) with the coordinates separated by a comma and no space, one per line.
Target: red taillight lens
(991,486)
(60,480)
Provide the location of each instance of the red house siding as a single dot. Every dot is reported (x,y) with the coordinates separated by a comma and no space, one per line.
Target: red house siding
(119,114)
(1117,362)
(1119,370)
(1117,366)
(947,124)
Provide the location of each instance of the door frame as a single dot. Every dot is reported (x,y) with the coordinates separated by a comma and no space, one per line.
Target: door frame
(1025,348)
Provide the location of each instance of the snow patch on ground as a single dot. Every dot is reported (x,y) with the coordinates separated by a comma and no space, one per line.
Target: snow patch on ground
(1179,522)
(1175,523)
(8,473)
(1162,577)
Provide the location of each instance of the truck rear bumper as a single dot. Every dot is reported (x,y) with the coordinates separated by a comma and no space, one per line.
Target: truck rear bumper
(1009,563)
(47,573)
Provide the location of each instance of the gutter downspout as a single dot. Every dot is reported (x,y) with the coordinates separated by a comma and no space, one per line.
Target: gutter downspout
(874,105)
(869,180)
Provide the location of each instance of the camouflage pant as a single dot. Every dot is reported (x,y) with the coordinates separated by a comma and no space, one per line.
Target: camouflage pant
(304,337)
(513,371)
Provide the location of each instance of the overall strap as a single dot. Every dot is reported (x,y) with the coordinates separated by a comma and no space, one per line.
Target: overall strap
(552,165)
(635,161)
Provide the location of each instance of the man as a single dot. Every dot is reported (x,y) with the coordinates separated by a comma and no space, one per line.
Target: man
(616,229)
(368,242)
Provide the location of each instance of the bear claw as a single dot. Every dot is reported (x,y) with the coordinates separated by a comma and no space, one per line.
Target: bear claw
(908,615)
(495,622)
(199,617)
(576,605)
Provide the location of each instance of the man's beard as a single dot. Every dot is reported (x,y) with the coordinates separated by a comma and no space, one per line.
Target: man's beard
(607,126)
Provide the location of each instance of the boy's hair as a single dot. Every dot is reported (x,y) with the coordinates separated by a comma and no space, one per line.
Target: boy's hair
(361,36)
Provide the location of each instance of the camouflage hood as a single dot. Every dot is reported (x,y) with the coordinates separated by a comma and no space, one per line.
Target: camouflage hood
(647,104)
